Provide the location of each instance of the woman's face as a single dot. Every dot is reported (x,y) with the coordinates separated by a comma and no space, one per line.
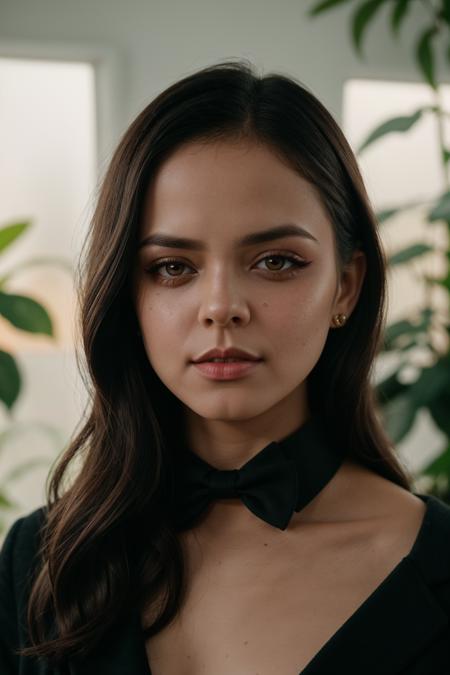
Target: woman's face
(275,298)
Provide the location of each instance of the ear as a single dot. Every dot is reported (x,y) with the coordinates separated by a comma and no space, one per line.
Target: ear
(350,284)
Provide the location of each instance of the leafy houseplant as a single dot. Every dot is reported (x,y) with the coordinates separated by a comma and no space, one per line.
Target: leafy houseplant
(401,401)
(26,314)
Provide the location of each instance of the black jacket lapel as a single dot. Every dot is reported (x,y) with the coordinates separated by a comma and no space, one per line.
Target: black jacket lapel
(403,618)
(392,627)
(121,653)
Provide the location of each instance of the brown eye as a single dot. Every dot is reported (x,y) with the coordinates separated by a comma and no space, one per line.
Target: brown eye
(175,264)
(295,262)
(167,279)
(275,257)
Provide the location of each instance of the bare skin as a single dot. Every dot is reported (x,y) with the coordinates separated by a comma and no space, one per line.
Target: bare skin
(267,603)
(260,600)
(228,294)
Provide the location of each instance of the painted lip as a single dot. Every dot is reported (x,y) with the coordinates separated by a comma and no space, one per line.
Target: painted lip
(225,371)
(230,353)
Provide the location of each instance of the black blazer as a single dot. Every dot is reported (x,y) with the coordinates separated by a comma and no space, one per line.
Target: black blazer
(402,628)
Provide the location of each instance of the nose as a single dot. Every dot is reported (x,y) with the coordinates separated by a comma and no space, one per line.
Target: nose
(222,300)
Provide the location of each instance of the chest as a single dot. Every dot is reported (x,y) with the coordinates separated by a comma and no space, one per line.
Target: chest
(270,613)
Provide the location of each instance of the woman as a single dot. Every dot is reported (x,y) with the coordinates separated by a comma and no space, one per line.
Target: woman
(245,517)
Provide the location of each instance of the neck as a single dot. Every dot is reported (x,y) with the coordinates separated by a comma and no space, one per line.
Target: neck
(230,523)
(229,443)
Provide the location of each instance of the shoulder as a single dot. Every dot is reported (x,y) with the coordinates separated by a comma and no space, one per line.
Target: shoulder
(18,556)
(358,494)
(22,539)
(398,522)
(416,525)
(377,498)
(18,553)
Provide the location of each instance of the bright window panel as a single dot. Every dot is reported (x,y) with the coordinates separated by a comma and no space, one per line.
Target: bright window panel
(402,168)
(48,170)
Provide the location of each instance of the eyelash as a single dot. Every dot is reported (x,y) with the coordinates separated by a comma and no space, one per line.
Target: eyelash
(171,281)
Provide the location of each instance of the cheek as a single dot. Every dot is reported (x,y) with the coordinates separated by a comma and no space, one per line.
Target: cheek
(296,326)
(300,315)
(156,314)
(161,329)
(299,336)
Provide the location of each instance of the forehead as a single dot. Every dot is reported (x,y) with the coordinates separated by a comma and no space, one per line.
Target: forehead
(228,185)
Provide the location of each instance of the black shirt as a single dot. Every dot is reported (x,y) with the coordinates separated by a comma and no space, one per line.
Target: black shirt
(402,628)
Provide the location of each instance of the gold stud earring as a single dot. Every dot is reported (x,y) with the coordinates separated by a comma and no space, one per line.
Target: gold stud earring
(339,320)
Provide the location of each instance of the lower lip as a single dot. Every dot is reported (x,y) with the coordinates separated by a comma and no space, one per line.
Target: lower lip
(225,371)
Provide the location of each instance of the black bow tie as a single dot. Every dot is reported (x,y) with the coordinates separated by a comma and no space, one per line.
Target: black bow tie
(280,479)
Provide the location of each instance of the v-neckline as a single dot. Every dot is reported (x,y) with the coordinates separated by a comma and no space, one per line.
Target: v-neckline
(347,625)
(313,666)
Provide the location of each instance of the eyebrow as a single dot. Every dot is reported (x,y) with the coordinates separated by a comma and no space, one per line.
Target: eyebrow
(288,230)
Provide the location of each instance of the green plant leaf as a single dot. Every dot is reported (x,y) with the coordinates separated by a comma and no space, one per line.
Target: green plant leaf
(439,411)
(38,260)
(325,5)
(445,11)
(438,466)
(445,155)
(441,210)
(10,379)
(399,14)
(25,467)
(361,19)
(402,331)
(444,281)
(50,431)
(408,253)
(398,416)
(431,382)
(389,388)
(5,502)
(9,233)
(25,313)
(395,124)
(385,214)
(381,216)
(396,330)
(425,56)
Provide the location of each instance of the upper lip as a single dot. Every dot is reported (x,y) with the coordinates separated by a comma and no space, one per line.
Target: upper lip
(231,352)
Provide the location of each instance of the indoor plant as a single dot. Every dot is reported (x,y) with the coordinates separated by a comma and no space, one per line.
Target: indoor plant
(24,314)
(429,330)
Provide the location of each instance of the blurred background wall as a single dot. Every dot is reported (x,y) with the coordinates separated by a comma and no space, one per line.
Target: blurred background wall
(138,47)
(74,75)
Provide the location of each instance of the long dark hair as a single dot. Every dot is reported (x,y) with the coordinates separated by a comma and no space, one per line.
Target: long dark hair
(107,543)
